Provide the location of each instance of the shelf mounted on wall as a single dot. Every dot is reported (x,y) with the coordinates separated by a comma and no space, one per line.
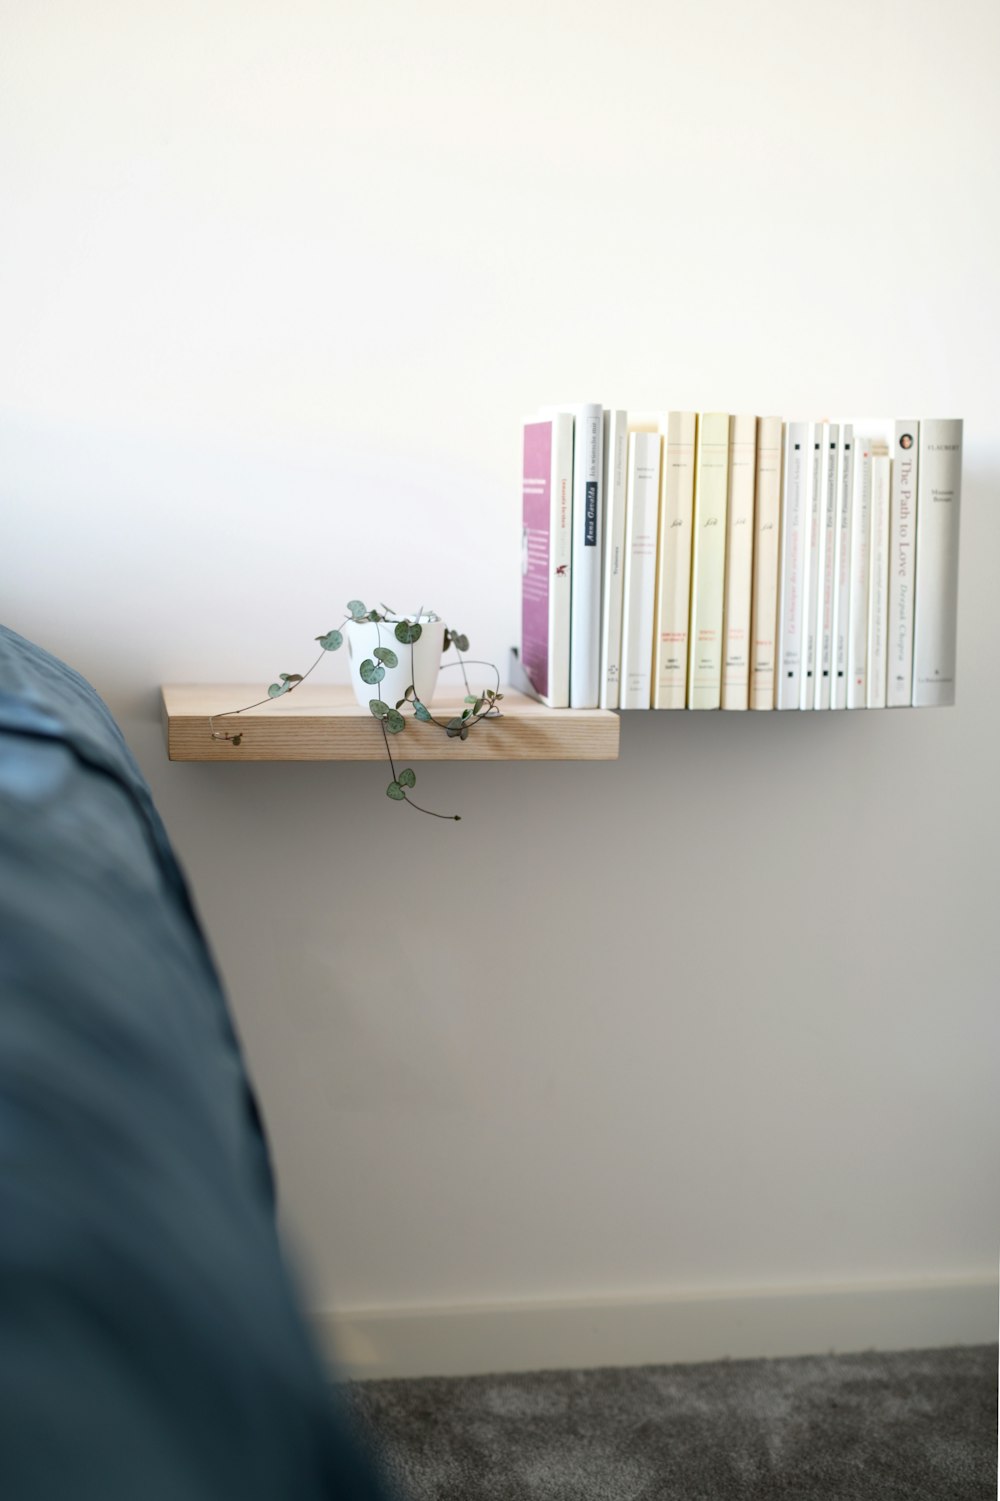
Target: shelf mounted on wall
(323,722)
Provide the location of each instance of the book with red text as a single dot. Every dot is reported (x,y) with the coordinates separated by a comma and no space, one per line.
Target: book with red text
(902,563)
(641,523)
(739,563)
(767,531)
(673,572)
(708,561)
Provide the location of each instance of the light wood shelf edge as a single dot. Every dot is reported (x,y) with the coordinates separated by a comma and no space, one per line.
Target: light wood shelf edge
(324,723)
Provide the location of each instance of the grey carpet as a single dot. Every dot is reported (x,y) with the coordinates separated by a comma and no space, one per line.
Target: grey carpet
(920,1425)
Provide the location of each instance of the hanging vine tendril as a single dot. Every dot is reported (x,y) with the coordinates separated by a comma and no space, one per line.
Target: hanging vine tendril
(406,633)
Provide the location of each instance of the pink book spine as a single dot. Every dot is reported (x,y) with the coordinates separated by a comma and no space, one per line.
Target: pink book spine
(535,554)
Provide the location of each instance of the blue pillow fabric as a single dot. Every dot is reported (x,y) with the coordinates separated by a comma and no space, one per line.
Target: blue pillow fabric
(151,1347)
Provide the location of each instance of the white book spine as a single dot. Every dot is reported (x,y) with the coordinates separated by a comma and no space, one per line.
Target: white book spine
(708,562)
(878,580)
(842,566)
(767,530)
(857,633)
(739,563)
(902,561)
(807,685)
(795,513)
(827,549)
(939,495)
(673,572)
(642,518)
(585,604)
(614,461)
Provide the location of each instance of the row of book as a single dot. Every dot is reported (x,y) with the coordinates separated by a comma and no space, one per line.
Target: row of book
(735,562)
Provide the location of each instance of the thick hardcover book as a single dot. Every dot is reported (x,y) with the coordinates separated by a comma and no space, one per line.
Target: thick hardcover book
(861,514)
(585,602)
(830,447)
(810,626)
(796,515)
(673,572)
(708,561)
(878,579)
(842,566)
(939,495)
(767,529)
(902,563)
(739,563)
(546,554)
(642,517)
(615,457)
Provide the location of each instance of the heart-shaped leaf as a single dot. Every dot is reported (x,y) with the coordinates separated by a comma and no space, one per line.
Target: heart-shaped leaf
(275,690)
(290,677)
(371,672)
(395,791)
(394,722)
(237,739)
(407,778)
(331,641)
(356,609)
(455,727)
(387,655)
(421,711)
(378,708)
(408,631)
(461,643)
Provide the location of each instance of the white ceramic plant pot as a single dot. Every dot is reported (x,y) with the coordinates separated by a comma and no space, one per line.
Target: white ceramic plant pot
(422,669)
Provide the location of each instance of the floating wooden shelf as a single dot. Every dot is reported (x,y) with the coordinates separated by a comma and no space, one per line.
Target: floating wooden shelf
(324,723)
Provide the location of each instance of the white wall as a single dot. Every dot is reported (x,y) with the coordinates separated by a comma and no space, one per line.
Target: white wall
(277,283)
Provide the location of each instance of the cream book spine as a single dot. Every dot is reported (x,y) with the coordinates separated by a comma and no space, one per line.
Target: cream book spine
(878,580)
(739,563)
(767,529)
(585,592)
(902,560)
(939,496)
(857,633)
(642,518)
(807,684)
(827,540)
(614,459)
(796,506)
(708,561)
(842,566)
(673,566)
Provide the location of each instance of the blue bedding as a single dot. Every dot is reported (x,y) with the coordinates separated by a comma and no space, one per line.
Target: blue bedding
(151,1347)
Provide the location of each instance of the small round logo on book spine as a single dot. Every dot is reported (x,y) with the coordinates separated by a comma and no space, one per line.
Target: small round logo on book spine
(906,441)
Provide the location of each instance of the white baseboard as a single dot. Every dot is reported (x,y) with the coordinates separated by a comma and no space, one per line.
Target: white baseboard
(366,1343)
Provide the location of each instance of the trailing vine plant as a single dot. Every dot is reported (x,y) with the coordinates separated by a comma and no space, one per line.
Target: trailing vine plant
(392,719)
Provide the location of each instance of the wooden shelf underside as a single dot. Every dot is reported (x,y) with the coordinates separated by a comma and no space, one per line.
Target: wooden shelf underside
(322,722)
